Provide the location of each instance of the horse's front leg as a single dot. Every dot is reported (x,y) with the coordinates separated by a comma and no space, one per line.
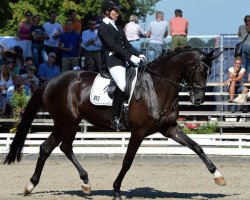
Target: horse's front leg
(177,135)
(134,143)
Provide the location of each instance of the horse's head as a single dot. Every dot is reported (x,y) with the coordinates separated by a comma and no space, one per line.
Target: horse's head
(196,73)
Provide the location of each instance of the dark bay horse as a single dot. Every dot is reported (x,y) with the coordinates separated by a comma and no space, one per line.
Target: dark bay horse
(66,98)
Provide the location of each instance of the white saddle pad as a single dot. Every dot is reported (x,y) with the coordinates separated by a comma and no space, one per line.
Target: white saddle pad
(98,94)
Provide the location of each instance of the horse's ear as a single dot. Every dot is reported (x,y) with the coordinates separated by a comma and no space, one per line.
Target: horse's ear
(211,55)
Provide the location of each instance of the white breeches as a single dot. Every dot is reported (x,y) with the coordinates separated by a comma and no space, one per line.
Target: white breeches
(119,75)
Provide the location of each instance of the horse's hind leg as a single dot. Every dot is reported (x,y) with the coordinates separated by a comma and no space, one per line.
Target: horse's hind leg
(134,143)
(45,150)
(177,135)
(67,149)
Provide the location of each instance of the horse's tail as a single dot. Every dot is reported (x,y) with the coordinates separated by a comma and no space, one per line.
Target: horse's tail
(33,106)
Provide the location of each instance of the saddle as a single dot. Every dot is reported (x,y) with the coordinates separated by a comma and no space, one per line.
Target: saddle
(130,75)
(103,89)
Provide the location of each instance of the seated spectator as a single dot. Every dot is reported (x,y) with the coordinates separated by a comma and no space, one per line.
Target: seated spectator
(5,79)
(235,82)
(5,83)
(28,63)
(9,48)
(14,69)
(48,70)
(30,79)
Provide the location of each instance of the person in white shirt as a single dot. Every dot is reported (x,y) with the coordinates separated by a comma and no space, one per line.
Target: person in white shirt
(236,75)
(133,31)
(158,30)
(54,30)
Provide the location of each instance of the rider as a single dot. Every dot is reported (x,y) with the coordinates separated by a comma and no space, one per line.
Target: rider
(118,51)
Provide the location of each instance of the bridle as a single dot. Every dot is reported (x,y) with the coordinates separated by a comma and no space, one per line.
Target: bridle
(184,84)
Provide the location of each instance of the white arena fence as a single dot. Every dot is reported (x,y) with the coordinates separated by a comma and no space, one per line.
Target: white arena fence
(116,143)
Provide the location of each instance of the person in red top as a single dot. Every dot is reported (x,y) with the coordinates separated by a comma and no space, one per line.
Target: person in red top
(23,32)
(178,30)
(77,26)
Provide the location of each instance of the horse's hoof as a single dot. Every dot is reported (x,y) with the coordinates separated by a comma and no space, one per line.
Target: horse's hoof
(28,189)
(26,192)
(220,181)
(86,188)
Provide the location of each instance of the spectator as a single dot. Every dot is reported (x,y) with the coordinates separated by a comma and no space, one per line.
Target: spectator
(70,44)
(5,82)
(14,69)
(158,30)
(23,32)
(54,30)
(77,26)
(178,30)
(48,70)
(5,79)
(92,45)
(38,36)
(235,82)
(242,33)
(133,31)
(30,79)
(28,63)
(9,48)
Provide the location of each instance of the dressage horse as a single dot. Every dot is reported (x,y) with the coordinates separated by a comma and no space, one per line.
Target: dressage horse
(153,108)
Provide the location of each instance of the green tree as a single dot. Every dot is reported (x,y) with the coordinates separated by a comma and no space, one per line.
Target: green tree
(5,13)
(211,42)
(84,8)
(197,43)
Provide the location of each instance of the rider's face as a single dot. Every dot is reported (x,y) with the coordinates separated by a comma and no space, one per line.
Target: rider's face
(114,15)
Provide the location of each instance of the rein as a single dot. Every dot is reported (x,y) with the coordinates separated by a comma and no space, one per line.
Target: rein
(182,85)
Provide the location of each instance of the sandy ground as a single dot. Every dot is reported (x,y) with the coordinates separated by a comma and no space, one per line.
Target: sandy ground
(150,177)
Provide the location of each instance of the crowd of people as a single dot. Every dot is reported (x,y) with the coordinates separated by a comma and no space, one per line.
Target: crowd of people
(45,50)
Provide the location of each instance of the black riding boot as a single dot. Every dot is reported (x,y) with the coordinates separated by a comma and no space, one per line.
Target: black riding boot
(117,108)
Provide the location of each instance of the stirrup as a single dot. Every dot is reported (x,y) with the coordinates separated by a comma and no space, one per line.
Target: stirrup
(117,125)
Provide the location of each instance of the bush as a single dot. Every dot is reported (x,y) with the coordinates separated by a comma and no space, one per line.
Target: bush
(199,128)
(18,102)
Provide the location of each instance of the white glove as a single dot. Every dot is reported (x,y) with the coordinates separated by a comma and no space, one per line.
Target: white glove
(143,58)
(136,60)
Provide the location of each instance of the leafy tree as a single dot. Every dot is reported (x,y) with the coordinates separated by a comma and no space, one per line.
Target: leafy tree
(211,42)
(197,43)
(5,12)
(85,8)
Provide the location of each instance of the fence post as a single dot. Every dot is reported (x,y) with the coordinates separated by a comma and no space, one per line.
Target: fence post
(221,76)
(8,141)
(240,143)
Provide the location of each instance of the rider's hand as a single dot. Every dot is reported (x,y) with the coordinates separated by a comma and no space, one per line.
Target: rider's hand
(143,58)
(136,60)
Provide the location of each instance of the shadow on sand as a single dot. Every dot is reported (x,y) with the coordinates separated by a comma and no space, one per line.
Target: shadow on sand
(144,192)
